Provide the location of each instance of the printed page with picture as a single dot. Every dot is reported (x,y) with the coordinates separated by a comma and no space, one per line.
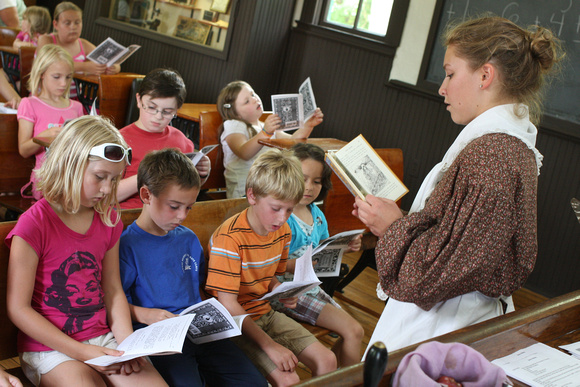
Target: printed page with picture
(111,53)
(295,109)
(211,322)
(363,171)
(304,279)
(160,338)
(327,256)
(196,156)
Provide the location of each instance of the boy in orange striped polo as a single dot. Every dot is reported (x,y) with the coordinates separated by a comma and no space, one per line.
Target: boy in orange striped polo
(247,252)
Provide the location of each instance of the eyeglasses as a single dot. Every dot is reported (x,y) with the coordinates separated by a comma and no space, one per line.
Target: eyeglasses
(112,152)
(154,111)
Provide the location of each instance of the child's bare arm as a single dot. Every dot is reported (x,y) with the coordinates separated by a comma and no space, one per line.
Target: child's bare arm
(127,188)
(284,359)
(21,280)
(149,315)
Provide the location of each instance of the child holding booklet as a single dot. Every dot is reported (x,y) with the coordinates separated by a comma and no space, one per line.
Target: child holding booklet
(68,25)
(309,227)
(162,269)
(241,109)
(64,291)
(247,252)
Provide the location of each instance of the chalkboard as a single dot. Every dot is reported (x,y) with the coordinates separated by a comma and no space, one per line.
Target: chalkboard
(562,100)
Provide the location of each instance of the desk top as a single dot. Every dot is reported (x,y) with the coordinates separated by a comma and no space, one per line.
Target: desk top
(285,143)
(94,78)
(45,141)
(9,49)
(191,111)
(553,322)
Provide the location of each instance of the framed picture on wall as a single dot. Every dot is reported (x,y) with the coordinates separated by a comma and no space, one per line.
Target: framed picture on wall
(192,29)
(220,6)
(210,16)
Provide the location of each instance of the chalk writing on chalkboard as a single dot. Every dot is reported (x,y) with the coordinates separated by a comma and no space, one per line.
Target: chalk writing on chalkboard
(562,100)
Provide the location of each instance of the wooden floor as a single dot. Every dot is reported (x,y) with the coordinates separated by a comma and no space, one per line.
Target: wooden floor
(360,300)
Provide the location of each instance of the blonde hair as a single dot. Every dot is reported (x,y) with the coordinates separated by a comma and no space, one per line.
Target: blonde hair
(523,57)
(226,104)
(38,18)
(47,56)
(60,178)
(63,7)
(277,173)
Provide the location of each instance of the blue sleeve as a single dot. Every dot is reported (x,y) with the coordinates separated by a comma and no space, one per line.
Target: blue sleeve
(127,265)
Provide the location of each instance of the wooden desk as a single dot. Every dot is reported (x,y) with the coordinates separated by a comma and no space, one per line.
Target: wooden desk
(191,111)
(553,322)
(44,141)
(285,143)
(187,119)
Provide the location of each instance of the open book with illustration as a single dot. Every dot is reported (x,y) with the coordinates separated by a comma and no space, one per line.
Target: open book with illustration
(203,322)
(364,172)
(196,155)
(295,109)
(111,53)
(304,279)
(212,321)
(327,256)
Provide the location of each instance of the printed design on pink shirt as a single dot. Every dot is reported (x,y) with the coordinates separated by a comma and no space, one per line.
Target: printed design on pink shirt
(76,290)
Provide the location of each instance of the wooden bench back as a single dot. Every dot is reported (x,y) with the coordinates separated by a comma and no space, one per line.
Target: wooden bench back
(14,169)
(8,35)
(204,217)
(209,133)
(338,205)
(114,95)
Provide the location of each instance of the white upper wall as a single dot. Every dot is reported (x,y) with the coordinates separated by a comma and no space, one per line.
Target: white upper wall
(409,56)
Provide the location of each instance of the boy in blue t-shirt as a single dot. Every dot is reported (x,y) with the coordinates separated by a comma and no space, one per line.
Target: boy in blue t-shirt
(162,269)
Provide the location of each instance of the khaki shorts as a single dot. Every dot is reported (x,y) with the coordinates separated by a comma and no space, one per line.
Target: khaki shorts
(284,331)
(35,364)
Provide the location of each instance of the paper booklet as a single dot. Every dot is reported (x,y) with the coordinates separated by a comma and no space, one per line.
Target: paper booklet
(212,321)
(6,110)
(304,279)
(364,172)
(327,256)
(540,365)
(203,322)
(195,156)
(110,52)
(295,109)
(160,338)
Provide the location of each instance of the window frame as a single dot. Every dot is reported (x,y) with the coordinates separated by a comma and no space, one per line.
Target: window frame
(104,20)
(394,30)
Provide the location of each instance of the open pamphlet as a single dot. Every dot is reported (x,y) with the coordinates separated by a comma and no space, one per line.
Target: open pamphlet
(160,338)
(327,256)
(573,348)
(111,53)
(196,155)
(540,365)
(211,322)
(363,171)
(304,279)
(295,109)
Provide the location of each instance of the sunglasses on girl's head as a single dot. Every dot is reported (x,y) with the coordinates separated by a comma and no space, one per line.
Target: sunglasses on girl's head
(112,152)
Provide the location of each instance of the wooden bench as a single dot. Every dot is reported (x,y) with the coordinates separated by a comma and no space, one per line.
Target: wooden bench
(14,169)
(8,331)
(114,96)
(204,218)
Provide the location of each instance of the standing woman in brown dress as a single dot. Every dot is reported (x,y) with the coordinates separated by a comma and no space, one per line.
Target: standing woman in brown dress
(469,240)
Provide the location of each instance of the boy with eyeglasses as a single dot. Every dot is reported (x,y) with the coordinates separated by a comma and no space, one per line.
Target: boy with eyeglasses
(160,94)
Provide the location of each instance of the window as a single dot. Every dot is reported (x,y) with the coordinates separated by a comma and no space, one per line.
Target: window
(365,16)
(199,25)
